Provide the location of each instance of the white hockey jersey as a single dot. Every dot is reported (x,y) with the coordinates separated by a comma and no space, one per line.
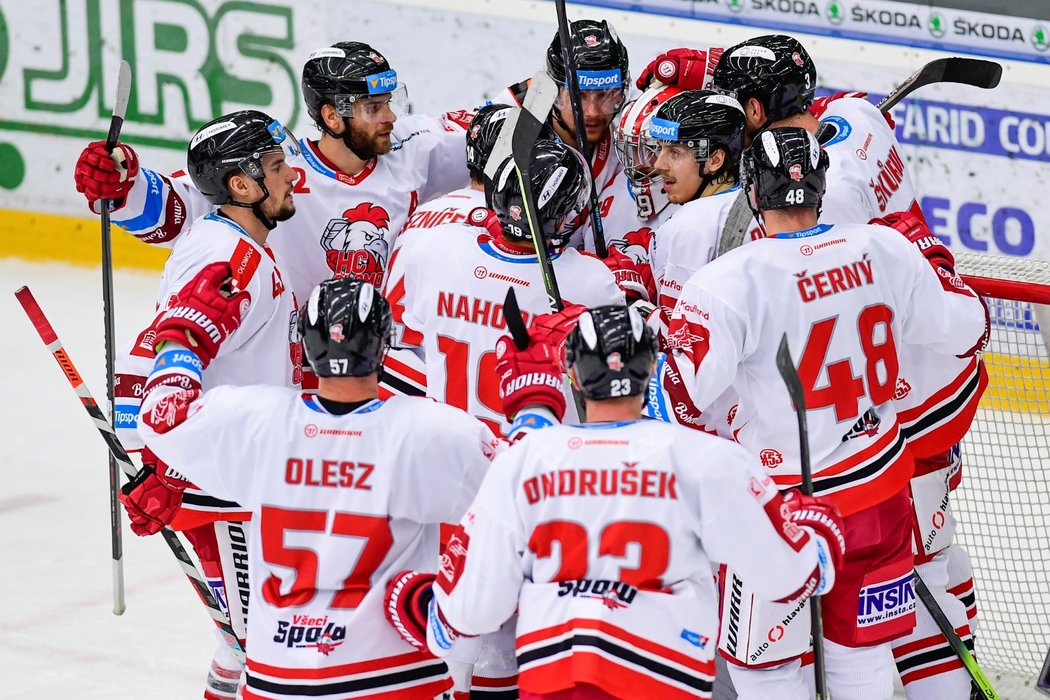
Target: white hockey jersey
(846,297)
(451,208)
(339,505)
(867,176)
(265,349)
(603,537)
(344,226)
(446,291)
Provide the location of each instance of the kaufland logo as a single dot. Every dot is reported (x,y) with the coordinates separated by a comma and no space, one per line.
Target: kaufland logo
(382,82)
(663,129)
(599,79)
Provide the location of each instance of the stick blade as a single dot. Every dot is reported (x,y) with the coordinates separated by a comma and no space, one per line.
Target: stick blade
(120,104)
(515,322)
(786,367)
(972,71)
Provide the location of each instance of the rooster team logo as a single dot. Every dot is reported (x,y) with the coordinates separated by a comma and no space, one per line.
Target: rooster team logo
(356,244)
(635,244)
(795,171)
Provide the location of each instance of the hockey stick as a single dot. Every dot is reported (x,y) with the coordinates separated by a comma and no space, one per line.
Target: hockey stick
(515,323)
(1043,682)
(964,71)
(984,686)
(572,87)
(538,102)
(789,374)
(120,108)
(50,338)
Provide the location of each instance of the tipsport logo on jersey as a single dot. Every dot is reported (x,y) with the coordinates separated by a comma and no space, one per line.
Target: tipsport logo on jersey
(307,632)
(356,244)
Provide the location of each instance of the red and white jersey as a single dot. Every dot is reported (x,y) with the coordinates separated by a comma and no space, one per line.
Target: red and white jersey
(344,226)
(847,298)
(867,176)
(446,292)
(340,503)
(603,537)
(265,348)
(451,208)
(687,242)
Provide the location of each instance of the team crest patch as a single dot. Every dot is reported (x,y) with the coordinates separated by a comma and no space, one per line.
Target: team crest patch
(795,171)
(356,244)
(335,332)
(614,362)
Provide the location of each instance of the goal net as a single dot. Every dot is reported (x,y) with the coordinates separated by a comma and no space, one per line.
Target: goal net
(1003,505)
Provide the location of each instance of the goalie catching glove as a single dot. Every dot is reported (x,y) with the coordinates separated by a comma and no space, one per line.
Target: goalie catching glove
(204,314)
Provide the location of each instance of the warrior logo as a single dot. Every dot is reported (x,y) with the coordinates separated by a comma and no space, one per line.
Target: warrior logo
(356,244)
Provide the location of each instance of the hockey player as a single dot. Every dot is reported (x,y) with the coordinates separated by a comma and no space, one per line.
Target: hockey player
(339,490)
(240,163)
(455,324)
(774,79)
(846,296)
(357,185)
(602,535)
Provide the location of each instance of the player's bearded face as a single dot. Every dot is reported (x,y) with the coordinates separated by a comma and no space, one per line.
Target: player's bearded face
(372,125)
(599,109)
(677,165)
(279,181)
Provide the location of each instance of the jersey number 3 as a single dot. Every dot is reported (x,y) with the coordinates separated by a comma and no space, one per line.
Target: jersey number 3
(654,549)
(373,531)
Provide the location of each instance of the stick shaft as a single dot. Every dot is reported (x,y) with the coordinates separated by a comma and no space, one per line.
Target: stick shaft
(120,456)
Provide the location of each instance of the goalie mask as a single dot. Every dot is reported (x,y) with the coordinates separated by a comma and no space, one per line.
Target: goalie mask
(346,328)
(235,144)
(611,353)
(774,69)
(636,153)
(560,185)
(784,168)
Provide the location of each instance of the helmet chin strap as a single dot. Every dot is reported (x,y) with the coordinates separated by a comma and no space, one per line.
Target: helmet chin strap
(347,139)
(256,207)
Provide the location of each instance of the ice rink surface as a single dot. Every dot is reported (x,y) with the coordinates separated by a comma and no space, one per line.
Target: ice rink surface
(58,635)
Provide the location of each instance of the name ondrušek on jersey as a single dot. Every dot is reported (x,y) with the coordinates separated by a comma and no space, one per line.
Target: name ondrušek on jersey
(344,226)
(265,348)
(625,600)
(446,291)
(339,505)
(848,297)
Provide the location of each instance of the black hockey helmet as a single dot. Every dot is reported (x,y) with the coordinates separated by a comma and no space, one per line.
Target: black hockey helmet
(775,69)
(784,168)
(344,72)
(235,143)
(601,58)
(704,121)
(560,183)
(346,328)
(484,130)
(611,353)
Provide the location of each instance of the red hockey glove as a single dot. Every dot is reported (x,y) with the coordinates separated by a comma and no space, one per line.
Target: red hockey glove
(684,68)
(823,521)
(530,377)
(915,230)
(820,105)
(554,329)
(205,313)
(153,497)
(635,279)
(100,175)
(407,598)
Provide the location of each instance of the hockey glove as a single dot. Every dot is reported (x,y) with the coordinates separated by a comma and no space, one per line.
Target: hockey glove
(153,496)
(530,377)
(688,69)
(102,175)
(204,314)
(554,329)
(635,279)
(915,230)
(823,522)
(407,599)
